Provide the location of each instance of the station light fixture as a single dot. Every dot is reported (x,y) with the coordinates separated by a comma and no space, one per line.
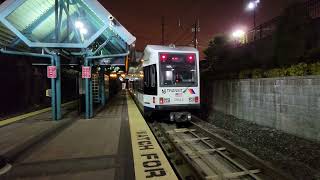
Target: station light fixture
(113,75)
(83,31)
(78,24)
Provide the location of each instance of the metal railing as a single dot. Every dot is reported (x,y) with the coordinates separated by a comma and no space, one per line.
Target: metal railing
(310,7)
(313,8)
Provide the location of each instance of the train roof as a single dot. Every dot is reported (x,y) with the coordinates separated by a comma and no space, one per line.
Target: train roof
(168,48)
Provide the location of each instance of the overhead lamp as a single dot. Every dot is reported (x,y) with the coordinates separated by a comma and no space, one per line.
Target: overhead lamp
(83,31)
(79,24)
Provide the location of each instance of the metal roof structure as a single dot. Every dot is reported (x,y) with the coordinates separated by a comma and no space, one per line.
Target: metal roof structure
(69,28)
(9,39)
(68,24)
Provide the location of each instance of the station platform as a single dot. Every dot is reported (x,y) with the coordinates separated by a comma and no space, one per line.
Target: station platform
(116,144)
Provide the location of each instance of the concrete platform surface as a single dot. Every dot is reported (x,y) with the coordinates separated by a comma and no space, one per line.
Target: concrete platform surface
(18,134)
(116,144)
(99,148)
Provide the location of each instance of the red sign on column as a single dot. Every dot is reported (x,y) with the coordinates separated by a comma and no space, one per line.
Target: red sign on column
(86,72)
(52,72)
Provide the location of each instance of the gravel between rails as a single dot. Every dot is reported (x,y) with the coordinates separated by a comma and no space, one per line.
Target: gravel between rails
(293,155)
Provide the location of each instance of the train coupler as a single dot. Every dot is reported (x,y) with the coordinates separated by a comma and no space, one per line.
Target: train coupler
(180,117)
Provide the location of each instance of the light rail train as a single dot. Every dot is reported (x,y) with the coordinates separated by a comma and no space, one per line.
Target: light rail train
(167,81)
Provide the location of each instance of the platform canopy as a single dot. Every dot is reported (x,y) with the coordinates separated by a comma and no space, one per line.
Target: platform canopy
(64,24)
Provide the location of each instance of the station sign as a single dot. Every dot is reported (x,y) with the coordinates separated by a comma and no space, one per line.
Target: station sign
(86,72)
(52,72)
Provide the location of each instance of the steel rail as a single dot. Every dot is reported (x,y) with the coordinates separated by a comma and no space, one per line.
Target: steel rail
(243,154)
(198,147)
(214,165)
(201,156)
(164,138)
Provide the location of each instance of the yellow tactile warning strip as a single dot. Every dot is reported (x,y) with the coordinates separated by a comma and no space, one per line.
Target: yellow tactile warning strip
(149,159)
(24,116)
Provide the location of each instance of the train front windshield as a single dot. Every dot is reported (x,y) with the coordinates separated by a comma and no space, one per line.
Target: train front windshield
(178,70)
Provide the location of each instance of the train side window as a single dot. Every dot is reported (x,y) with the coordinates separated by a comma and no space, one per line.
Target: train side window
(141,84)
(153,76)
(146,77)
(150,80)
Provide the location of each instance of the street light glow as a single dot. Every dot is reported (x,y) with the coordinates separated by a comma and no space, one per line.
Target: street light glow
(237,34)
(253,5)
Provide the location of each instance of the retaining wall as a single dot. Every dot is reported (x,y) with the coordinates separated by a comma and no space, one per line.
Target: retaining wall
(290,104)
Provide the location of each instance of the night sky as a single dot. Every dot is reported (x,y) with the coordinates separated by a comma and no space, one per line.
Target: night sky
(143,18)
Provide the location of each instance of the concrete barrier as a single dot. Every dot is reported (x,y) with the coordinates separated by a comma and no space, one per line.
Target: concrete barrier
(290,104)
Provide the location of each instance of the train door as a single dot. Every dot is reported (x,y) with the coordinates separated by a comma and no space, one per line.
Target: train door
(150,85)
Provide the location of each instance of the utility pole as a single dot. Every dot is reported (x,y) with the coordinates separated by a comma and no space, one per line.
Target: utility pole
(254,18)
(254,23)
(162,24)
(180,23)
(195,30)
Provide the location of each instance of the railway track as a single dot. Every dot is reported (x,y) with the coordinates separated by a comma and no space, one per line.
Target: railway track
(197,153)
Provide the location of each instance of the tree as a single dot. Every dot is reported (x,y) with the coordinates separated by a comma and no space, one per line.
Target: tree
(291,35)
(216,50)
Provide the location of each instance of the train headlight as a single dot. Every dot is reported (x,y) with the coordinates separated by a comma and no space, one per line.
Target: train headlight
(189,116)
(171,117)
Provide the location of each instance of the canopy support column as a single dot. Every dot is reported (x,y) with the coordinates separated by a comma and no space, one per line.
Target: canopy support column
(87,93)
(53,94)
(58,87)
(102,86)
(90,90)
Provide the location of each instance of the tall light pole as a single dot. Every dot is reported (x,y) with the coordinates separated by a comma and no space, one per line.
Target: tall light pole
(252,6)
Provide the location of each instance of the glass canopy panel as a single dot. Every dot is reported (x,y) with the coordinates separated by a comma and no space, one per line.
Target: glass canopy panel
(41,21)
(115,45)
